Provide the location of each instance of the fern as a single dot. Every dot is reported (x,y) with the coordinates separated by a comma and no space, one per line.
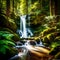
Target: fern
(6,35)
(5,41)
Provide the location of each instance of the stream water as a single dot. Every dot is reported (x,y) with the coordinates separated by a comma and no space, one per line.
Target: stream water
(25,32)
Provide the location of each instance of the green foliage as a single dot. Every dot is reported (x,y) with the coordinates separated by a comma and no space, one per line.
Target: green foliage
(5,41)
(6,35)
(55,49)
(15,37)
(23,7)
(58,25)
(55,44)
(34,8)
(39,29)
(4,45)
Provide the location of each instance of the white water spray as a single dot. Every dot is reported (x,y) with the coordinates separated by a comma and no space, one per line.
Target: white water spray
(24,31)
(23,26)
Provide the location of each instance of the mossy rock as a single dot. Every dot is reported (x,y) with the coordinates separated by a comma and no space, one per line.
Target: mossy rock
(48,31)
(45,40)
(51,37)
(48,38)
(47,45)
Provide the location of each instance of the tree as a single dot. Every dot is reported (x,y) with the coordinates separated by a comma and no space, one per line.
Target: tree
(57,7)
(23,7)
(8,8)
(0,4)
(54,7)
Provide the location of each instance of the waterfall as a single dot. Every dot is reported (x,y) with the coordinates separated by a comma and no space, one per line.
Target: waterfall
(24,31)
(23,26)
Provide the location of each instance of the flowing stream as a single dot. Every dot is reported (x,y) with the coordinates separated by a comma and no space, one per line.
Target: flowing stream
(25,32)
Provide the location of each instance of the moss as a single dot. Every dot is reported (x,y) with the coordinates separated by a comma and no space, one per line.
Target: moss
(48,31)
(45,40)
(51,37)
(57,38)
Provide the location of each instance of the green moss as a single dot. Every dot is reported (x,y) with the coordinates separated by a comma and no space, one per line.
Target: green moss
(51,37)
(48,31)
(45,40)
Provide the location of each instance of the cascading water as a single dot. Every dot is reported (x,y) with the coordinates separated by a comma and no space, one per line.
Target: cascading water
(24,31)
(23,26)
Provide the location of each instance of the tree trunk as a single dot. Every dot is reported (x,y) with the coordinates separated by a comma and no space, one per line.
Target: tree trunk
(13,5)
(52,7)
(57,7)
(7,8)
(41,5)
(0,6)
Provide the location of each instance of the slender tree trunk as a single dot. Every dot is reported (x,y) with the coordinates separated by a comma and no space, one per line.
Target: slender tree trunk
(0,3)
(13,5)
(41,5)
(57,7)
(0,6)
(27,5)
(7,8)
(52,7)
(57,10)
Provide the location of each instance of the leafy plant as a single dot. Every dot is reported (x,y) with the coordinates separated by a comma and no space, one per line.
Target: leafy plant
(5,41)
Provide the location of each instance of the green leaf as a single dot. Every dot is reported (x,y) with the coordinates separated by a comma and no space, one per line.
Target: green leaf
(55,44)
(9,42)
(4,45)
(6,35)
(3,49)
(6,42)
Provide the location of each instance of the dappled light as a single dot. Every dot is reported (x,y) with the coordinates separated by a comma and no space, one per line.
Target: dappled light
(29,29)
